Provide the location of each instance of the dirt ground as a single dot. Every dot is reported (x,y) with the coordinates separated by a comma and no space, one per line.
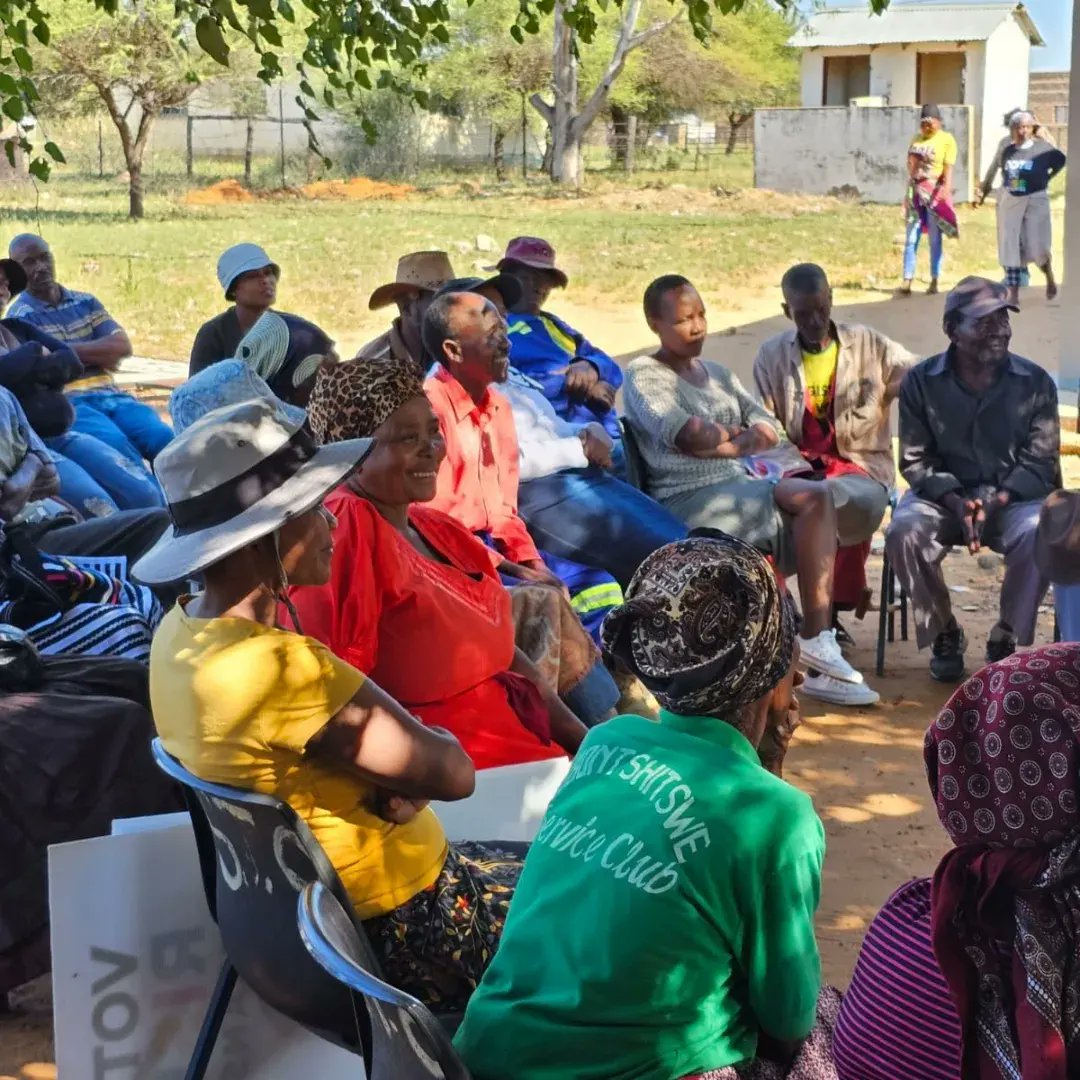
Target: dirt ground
(863,767)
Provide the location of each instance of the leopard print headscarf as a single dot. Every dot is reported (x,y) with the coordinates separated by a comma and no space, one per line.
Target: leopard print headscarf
(705,626)
(350,400)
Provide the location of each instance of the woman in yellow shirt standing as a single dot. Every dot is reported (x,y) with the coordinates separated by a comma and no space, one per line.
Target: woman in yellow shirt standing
(241,701)
(928,202)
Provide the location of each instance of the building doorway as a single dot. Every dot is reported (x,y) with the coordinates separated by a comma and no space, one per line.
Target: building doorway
(939,78)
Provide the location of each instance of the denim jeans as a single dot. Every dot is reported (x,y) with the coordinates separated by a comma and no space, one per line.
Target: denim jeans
(102,472)
(122,422)
(911,247)
(1067,601)
(590,517)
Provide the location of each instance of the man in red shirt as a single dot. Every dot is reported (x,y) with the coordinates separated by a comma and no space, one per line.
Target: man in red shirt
(478,479)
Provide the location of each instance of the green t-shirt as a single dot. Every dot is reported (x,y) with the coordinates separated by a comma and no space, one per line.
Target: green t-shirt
(664,914)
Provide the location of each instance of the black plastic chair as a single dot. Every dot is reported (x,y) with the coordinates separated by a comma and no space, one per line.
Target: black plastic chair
(408,1042)
(256,856)
(892,597)
(635,463)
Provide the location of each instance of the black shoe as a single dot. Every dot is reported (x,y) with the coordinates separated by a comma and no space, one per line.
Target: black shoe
(999,648)
(843,638)
(947,661)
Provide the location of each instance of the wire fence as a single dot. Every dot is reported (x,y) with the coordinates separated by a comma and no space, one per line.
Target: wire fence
(192,149)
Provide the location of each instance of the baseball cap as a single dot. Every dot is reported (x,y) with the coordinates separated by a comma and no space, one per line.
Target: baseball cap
(978,296)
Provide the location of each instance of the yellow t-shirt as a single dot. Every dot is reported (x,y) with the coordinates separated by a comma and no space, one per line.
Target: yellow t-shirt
(933,153)
(237,702)
(819,371)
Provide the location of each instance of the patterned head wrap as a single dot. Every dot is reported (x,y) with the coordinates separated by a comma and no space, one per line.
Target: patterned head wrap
(358,395)
(705,626)
(1003,761)
(285,350)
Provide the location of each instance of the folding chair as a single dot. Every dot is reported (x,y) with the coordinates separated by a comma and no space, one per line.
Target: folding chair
(407,1041)
(256,856)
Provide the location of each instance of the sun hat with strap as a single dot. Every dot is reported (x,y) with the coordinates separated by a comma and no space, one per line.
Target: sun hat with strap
(235,476)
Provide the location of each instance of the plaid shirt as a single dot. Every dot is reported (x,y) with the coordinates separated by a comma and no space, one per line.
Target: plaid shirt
(77,317)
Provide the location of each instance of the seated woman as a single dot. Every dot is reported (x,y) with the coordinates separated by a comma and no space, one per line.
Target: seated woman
(697,427)
(692,874)
(413,598)
(241,701)
(36,367)
(941,990)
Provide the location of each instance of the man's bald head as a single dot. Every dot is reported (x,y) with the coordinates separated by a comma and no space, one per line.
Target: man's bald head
(465,332)
(26,242)
(35,257)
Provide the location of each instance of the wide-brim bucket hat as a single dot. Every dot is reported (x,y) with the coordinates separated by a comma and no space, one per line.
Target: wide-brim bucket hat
(242,259)
(531,251)
(235,476)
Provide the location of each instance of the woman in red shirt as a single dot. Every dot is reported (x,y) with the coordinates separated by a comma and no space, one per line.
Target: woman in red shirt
(413,600)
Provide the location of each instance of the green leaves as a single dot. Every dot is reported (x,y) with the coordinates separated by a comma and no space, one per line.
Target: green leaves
(211,40)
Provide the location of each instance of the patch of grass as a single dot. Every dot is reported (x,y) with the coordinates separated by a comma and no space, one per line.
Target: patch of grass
(158,276)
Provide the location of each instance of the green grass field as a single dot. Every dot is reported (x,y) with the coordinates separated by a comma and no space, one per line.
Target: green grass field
(157,276)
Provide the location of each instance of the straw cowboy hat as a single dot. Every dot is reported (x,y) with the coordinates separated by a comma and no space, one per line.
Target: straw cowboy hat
(235,476)
(420,271)
(1057,540)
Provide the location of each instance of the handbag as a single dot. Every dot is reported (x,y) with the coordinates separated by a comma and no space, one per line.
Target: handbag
(72,610)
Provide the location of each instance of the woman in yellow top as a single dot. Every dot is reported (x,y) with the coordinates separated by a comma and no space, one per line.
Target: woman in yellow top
(241,701)
(928,207)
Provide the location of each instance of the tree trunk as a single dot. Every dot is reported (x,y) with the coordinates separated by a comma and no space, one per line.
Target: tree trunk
(735,125)
(564,77)
(249,150)
(498,153)
(135,191)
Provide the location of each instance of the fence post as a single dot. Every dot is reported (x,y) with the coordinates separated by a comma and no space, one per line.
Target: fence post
(100,153)
(524,139)
(190,149)
(281,129)
(631,141)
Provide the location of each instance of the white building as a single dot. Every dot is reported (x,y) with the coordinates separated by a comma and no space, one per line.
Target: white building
(946,53)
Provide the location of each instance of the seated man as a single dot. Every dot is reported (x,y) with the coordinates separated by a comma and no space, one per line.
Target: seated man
(832,388)
(419,274)
(703,438)
(250,280)
(573,506)
(80,321)
(579,379)
(692,871)
(478,479)
(980,447)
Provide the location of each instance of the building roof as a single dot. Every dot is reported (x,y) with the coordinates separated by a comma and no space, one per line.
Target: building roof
(903,24)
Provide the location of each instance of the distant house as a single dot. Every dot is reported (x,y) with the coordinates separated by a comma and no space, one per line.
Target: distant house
(947,53)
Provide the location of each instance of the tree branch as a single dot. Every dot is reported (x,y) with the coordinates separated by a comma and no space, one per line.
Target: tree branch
(543,108)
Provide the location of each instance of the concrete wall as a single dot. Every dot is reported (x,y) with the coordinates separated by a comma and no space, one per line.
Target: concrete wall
(892,74)
(1008,59)
(867,150)
(813,78)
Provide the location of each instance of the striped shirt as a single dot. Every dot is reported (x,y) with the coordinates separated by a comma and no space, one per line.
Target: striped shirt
(77,317)
(898,1021)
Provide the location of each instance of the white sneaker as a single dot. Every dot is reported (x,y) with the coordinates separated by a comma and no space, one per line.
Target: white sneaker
(835,692)
(822,653)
